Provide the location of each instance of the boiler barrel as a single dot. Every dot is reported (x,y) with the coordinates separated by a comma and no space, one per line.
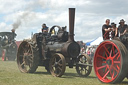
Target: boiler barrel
(71,49)
(55,46)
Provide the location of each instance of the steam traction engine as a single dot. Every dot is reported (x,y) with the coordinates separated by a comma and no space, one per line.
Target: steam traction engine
(54,51)
(8,47)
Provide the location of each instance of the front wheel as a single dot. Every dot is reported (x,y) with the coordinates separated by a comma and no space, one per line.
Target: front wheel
(57,65)
(110,61)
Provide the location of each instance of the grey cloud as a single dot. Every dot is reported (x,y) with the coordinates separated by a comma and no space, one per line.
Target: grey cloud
(90,15)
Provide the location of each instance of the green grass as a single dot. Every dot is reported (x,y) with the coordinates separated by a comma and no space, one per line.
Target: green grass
(10,75)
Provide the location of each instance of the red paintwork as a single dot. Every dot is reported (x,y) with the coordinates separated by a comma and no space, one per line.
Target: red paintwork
(18,43)
(3,55)
(106,53)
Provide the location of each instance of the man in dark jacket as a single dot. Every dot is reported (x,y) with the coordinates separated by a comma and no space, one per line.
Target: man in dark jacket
(106,28)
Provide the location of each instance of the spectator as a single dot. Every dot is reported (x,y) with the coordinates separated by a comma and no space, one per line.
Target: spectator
(114,30)
(122,27)
(106,28)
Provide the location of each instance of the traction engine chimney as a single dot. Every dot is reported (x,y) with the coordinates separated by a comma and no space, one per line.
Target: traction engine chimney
(71,24)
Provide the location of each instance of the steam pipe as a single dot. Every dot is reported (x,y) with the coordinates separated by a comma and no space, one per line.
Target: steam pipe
(71,24)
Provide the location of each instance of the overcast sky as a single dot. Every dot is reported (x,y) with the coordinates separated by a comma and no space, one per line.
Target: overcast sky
(89,18)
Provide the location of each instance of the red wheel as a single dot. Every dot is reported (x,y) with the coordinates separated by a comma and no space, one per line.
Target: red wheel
(110,62)
(3,55)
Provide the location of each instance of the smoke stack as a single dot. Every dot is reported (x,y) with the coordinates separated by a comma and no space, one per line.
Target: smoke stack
(71,24)
(13,30)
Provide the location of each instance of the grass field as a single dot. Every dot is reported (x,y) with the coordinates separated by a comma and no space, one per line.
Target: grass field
(10,75)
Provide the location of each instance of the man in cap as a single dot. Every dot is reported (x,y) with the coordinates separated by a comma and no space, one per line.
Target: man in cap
(122,27)
(44,28)
(106,28)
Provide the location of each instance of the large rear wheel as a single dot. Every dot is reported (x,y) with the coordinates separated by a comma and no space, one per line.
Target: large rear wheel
(28,57)
(110,61)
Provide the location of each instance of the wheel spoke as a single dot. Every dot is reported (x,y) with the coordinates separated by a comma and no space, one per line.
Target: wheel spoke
(106,74)
(101,67)
(116,62)
(30,55)
(101,57)
(106,54)
(116,55)
(59,68)
(118,67)
(59,61)
(106,50)
(59,64)
(23,49)
(28,51)
(110,72)
(106,69)
(86,69)
(110,55)
(23,63)
(113,49)
(115,69)
(112,75)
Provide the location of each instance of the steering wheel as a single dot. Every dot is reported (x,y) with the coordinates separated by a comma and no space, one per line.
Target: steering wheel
(53,29)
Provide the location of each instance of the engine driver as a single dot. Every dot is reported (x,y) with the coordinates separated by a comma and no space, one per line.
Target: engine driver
(44,28)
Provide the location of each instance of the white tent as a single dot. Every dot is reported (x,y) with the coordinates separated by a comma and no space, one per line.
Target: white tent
(97,41)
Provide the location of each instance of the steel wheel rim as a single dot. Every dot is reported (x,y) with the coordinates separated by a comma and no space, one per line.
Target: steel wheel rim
(25,57)
(57,65)
(107,62)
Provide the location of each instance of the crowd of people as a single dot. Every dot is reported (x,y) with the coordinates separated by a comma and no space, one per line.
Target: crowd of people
(112,31)
(109,31)
(91,51)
